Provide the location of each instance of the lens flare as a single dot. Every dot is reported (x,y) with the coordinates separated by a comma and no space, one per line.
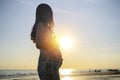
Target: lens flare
(66,42)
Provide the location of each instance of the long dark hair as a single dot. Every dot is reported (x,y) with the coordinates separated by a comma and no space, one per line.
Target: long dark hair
(44,15)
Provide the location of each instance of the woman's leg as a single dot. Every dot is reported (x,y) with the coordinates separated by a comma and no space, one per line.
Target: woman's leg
(51,72)
(41,68)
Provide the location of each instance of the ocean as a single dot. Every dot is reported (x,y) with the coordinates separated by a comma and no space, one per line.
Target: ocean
(65,74)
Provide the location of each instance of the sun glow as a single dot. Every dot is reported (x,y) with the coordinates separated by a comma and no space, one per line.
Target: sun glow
(66,42)
(66,71)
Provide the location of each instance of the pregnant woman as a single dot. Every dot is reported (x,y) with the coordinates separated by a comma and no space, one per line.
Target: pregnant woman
(42,35)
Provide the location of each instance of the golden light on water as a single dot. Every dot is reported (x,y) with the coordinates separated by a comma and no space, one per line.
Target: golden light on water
(66,71)
(67,78)
(66,42)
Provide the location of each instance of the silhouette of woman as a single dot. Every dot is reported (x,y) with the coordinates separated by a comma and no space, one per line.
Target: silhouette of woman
(42,35)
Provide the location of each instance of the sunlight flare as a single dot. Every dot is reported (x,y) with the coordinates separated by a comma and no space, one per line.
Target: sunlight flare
(66,71)
(66,42)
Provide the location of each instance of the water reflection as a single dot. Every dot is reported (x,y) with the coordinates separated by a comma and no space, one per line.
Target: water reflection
(67,78)
(66,71)
(89,78)
(73,74)
(74,78)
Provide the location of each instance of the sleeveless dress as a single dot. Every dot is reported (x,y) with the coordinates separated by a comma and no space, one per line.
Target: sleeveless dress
(50,60)
(48,65)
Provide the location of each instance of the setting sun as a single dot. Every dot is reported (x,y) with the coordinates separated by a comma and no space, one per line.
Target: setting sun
(66,42)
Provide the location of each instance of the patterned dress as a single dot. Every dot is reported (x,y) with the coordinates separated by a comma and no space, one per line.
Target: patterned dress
(50,58)
(49,64)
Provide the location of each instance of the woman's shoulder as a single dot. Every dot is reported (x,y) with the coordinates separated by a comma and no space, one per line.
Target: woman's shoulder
(40,24)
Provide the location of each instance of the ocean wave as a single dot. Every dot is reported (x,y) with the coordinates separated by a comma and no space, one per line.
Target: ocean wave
(6,74)
(16,73)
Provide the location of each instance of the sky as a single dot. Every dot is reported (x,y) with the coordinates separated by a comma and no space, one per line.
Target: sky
(94,25)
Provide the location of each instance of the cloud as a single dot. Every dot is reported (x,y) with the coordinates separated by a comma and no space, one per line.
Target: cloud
(74,14)
(27,2)
(94,1)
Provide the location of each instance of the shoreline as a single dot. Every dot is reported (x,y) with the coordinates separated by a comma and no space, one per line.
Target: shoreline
(33,75)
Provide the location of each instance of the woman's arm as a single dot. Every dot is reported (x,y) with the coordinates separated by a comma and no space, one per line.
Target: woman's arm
(40,34)
(44,37)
